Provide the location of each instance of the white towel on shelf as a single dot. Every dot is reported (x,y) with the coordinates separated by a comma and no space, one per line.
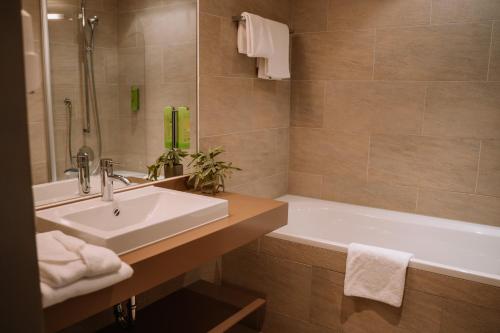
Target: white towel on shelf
(376,273)
(51,296)
(64,259)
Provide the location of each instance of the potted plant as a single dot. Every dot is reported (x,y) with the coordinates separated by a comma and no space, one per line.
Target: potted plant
(171,163)
(208,175)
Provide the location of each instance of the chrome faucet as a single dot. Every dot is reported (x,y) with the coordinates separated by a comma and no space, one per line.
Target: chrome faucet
(107,177)
(83,171)
(82,162)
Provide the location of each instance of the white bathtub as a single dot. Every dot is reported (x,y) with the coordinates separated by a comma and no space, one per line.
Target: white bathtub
(454,248)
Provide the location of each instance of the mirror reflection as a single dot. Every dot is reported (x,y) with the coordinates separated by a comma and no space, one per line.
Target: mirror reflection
(120,85)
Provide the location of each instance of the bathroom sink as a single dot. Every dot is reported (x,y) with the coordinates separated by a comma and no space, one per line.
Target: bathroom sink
(134,219)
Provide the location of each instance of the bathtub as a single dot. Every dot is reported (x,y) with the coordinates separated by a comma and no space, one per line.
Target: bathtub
(454,248)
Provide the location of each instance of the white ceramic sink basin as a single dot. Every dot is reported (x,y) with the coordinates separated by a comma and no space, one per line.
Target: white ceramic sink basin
(134,219)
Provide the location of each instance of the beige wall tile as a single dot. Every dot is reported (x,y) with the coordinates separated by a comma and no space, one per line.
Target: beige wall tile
(64,64)
(306,254)
(39,173)
(449,164)
(326,298)
(225,8)
(374,194)
(168,24)
(154,141)
(108,101)
(261,156)
(340,55)
(305,184)
(326,152)
(459,317)
(272,186)
(376,107)
(439,53)
(309,16)
(278,10)
(111,66)
(494,70)
(134,135)
(127,5)
(448,11)
(279,296)
(279,323)
(463,110)
(131,65)
(460,206)
(271,104)
(453,288)
(153,66)
(157,96)
(225,105)
(265,274)
(393,159)
(38,147)
(210,43)
(362,14)
(489,168)
(179,63)
(307,103)
(36,106)
(127,30)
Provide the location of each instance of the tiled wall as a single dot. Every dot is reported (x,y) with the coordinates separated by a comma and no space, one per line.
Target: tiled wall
(304,288)
(36,109)
(157,53)
(396,104)
(247,116)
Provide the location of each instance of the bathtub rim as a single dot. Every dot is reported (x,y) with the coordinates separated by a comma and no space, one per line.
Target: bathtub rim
(452,271)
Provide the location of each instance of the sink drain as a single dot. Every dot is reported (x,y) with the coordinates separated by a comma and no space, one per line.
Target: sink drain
(116,212)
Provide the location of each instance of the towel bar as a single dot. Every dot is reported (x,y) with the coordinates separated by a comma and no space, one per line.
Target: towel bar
(241,18)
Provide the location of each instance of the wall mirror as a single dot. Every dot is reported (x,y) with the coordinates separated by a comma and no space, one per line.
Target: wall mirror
(113,69)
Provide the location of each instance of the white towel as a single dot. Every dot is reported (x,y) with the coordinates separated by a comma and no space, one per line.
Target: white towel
(254,36)
(267,40)
(277,66)
(51,296)
(376,273)
(63,259)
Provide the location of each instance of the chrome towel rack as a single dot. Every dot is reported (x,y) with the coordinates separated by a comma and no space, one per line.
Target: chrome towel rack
(241,18)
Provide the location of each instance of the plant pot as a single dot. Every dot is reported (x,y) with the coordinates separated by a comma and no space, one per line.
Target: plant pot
(176,170)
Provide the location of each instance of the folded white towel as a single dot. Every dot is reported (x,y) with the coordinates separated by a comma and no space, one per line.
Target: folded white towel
(267,40)
(51,296)
(254,36)
(376,273)
(277,66)
(63,259)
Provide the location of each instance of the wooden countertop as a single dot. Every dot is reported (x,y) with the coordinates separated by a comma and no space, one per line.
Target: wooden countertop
(249,218)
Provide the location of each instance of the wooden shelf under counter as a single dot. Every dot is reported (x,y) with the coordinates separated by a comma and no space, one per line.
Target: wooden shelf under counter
(249,218)
(200,308)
